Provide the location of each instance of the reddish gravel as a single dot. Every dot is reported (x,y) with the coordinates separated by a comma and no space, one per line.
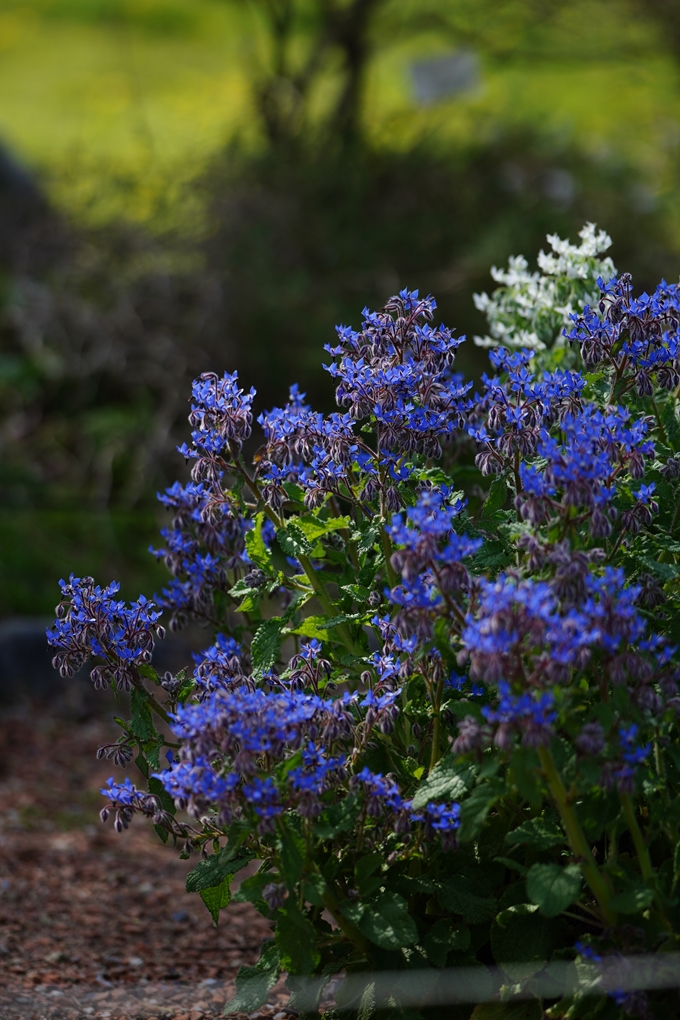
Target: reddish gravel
(93,924)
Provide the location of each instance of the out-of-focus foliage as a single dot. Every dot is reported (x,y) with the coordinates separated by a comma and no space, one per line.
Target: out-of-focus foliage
(334,191)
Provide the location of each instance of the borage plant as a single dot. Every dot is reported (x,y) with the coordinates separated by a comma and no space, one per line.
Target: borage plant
(449,737)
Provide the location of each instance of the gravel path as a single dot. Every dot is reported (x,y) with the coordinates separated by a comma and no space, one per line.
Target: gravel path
(95,924)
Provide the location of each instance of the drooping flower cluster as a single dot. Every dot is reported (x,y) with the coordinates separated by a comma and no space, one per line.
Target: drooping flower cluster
(92,622)
(637,337)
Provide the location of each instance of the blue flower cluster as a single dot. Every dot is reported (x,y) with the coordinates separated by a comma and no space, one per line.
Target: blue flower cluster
(92,622)
(636,336)
(205,542)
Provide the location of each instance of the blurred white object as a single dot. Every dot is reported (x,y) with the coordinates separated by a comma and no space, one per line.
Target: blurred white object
(441,77)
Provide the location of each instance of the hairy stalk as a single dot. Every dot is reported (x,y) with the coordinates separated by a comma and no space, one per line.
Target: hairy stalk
(576,836)
(434,756)
(638,839)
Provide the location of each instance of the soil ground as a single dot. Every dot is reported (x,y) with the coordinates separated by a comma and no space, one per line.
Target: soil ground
(95,924)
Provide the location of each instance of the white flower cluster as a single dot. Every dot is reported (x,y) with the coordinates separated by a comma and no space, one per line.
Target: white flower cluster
(530,310)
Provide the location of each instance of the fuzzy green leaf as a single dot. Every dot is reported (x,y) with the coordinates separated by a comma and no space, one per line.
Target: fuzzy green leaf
(553,888)
(455,895)
(256,548)
(387,922)
(253,984)
(296,939)
(217,897)
(293,540)
(266,644)
(522,940)
(539,832)
(141,723)
(498,493)
(449,780)
(210,872)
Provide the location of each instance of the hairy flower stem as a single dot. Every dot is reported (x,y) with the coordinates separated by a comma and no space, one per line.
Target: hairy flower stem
(576,836)
(434,756)
(348,928)
(640,846)
(387,550)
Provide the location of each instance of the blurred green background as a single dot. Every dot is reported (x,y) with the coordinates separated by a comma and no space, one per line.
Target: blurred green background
(213,184)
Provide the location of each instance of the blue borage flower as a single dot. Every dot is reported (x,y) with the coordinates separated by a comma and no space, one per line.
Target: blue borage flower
(636,337)
(206,540)
(92,622)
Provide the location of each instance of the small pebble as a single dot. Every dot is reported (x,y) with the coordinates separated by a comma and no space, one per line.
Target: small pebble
(135,961)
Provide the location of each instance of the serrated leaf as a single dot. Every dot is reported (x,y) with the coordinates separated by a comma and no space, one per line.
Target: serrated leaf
(296,939)
(387,922)
(474,810)
(367,539)
(293,540)
(539,832)
(449,780)
(141,723)
(216,898)
(553,888)
(211,871)
(253,984)
(266,644)
(145,669)
(292,853)
(456,897)
(337,818)
(357,591)
(492,556)
(257,550)
(314,528)
(498,493)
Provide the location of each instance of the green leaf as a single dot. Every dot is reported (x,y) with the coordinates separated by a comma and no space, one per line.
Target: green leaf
(158,790)
(266,644)
(539,832)
(357,591)
(147,670)
(449,780)
(474,810)
(492,556)
(387,922)
(442,938)
(256,548)
(313,627)
(553,888)
(293,540)
(141,723)
(337,818)
(313,888)
(522,940)
(498,494)
(211,871)
(291,852)
(296,939)
(367,538)
(635,898)
(366,865)
(313,527)
(253,984)
(217,897)
(456,897)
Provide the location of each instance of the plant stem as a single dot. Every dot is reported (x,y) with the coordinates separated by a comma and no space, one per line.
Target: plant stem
(348,928)
(387,550)
(327,603)
(434,756)
(638,839)
(576,836)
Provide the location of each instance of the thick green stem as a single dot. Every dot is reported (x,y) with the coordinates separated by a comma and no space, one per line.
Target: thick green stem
(434,756)
(659,423)
(387,550)
(576,836)
(348,928)
(638,839)
(327,603)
